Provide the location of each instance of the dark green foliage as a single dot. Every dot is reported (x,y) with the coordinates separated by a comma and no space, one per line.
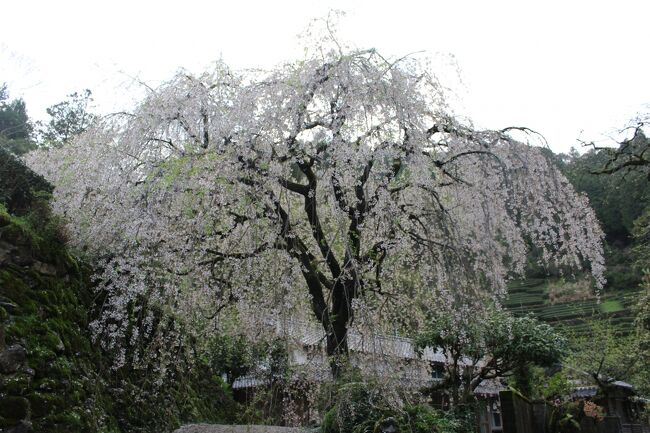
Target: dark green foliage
(522,378)
(232,356)
(642,310)
(549,384)
(618,199)
(603,355)
(424,419)
(620,194)
(642,337)
(511,345)
(267,404)
(641,250)
(361,407)
(14,122)
(358,407)
(631,155)
(15,127)
(352,404)
(194,395)
(19,186)
(525,340)
(17,146)
(68,119)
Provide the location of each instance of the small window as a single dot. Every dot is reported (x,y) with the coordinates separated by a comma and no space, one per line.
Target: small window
(495,414)
(437,370)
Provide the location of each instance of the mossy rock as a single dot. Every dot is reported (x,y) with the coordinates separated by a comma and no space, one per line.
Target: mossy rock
(15,290)
(61,368)
(69,421)
(53,342)
(48,384)
(13,409)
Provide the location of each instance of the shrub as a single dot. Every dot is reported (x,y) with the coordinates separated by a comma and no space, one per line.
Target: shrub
(362,407)
(424,419)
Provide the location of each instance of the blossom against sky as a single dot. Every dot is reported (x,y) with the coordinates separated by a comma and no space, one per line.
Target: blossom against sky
(566,69)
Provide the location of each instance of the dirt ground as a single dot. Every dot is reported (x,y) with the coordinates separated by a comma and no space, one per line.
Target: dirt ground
(211,428)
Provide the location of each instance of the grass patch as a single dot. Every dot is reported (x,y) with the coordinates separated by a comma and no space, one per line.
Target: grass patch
(611,306)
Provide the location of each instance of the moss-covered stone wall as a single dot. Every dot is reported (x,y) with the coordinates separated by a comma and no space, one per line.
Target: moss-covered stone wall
(48,368)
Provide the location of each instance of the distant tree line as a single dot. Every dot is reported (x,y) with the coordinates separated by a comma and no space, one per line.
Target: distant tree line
(19,134)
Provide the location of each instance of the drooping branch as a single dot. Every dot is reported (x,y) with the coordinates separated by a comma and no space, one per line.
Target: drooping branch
(631,154)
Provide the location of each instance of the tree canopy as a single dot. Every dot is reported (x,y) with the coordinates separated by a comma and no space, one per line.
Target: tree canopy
(339,183)
(15,126)
(68,119)
(618,198)
(493,345)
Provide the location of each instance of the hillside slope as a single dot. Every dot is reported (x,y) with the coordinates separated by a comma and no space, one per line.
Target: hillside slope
(569,306)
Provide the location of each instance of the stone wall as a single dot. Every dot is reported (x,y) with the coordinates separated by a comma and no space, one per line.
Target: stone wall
(48,368)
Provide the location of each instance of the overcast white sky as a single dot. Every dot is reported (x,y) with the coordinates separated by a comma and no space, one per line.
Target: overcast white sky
(568,69)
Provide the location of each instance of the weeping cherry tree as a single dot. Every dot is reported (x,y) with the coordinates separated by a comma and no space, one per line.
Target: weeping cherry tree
(338,177)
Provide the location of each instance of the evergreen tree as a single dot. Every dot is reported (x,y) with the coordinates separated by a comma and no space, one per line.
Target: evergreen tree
(15,127)
(68,119)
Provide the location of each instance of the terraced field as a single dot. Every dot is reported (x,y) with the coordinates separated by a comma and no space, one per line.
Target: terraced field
(533,297)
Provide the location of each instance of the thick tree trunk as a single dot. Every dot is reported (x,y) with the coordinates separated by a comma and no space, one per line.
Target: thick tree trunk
(336,328)
(337,349)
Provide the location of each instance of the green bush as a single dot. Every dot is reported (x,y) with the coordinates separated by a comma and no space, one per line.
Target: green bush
(362,407)
(566,418)
(359,407)
(424,419)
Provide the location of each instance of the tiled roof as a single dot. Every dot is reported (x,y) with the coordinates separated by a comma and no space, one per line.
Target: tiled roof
(380,353)
(489,387)
(584,391)
(312,335)
(622,384)
(248,381)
